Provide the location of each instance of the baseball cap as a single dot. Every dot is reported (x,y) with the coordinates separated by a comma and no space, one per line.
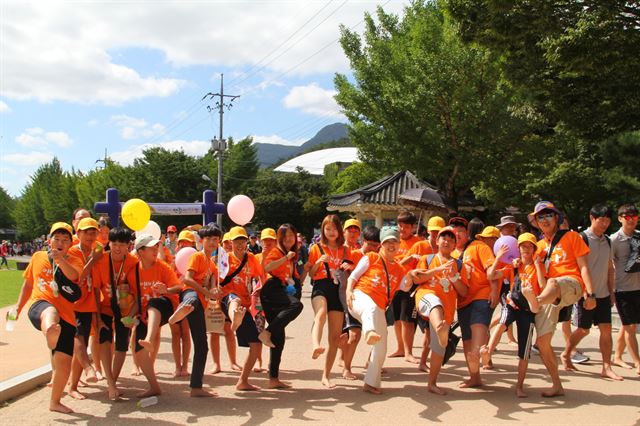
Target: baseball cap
(187,235)
(388,233)
(268,233)
(226,237)
(172,228)
(489,232)
(87,223)
(352,222)
(145,240)
(58,226)
(436,223)
(238,232)
(527,237)
(458,221)
(447,230)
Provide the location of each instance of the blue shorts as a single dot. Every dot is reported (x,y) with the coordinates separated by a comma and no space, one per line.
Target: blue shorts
(476,312)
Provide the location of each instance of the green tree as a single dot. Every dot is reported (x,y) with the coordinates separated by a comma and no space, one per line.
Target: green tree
(7,205)
(354,177)
(575,61)
(92,187)
(423,100)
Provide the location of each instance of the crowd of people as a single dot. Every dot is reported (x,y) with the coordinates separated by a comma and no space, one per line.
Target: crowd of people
(105,288)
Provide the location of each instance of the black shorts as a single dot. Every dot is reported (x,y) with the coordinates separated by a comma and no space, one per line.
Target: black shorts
(350,322)
(476,312)
(423,323)
(601,314)
(161,304)
(122,332)
(329,290)
(505,288)
(628,304)
(565,314)
(67,331)
(404,307)
(83,325)
(525,324)
(247,333)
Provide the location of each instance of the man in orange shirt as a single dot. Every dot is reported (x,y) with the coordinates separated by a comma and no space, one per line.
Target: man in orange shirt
(404,307)
(568,278)
(352,229)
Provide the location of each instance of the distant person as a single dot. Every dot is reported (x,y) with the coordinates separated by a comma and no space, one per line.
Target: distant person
(254,246)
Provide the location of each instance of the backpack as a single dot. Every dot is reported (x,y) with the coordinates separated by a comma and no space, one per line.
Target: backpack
(633,263)
(585,238)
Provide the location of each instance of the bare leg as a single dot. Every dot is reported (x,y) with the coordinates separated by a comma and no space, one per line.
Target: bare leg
(105,356)
(335,329)
(319,304)
(186,347)
(620,347)
(522,373)
(550,362)
(176,350)
(243,382)
(94,344)
(479,337)
(153,329)
(236,313)
(230,341)
(397,328)
(408,331)
(214,345)
(143,358)
(62,368)
(435,365)
(349,351)
(118,361)
(575,338)
(486,351)
(424,355)
(606,344)
(632,344)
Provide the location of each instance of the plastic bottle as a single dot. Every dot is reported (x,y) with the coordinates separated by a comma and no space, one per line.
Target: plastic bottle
(12,317)
(147,402)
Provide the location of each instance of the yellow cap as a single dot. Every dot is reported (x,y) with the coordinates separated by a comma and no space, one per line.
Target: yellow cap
(352,222)
(226,237)
(527,237)
(436,223)
(489,232)
(87,223)
(268,233)
(186,235)
(61,226)
(238,232)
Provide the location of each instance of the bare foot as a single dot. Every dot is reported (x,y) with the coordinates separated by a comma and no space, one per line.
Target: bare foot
(76,395)
(181,312)
(149,392)
(411,359)
(327,383)
(52,334)
(470,383)
(347,374)
(520,393)
(215,370)
(238,315)
(246,387)
(277,384)
(146,344)
(442,330)
(352,338)
(184,373)
(371,338)
(258,369)
(513,343)
(621,363)
(317,352)
(60,408)
(81,384)
(566,362)
(342,340)
(435,389)
(236,367)
(372,389)
(99,375)
(265,338)
(202,393)
(423,367)
(135,372)
(176,373)
(534,305)
(559,391)
(90,375)
(485,356)
(114,394)
(608,372)
(341,362)
(397,354)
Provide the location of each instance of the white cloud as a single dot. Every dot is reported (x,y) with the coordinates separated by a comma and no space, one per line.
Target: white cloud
(136,128)
(195,148)
(68,50)
(93,123)
(275,139)
(4,107)
(33,158)
(313,99)
(35,137)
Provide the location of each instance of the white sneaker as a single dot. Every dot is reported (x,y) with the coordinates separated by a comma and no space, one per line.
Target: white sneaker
(579,358)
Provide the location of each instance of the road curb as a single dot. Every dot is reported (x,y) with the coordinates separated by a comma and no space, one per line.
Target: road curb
(19,385)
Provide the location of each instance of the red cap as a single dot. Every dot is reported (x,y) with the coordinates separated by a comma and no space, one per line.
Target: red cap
(172,228)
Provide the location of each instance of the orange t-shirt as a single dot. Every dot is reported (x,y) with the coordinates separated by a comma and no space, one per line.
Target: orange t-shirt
(240,284)
(563,261)
(159,272)
(356,255)
(374,281)
(205,273)
(440,285)
(40,272)
(335,259)
(102,278)
(405,246)
(478,257)
(87,302)
(528,277)
(283,272)
(421,248)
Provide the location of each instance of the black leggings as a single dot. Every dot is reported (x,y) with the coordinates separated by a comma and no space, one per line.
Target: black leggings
(279,309)
(198,335)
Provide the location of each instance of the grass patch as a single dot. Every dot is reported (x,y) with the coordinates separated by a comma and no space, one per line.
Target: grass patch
(10,284)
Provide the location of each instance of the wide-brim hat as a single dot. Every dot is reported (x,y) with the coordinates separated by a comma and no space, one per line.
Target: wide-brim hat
(540,206)
(506,220)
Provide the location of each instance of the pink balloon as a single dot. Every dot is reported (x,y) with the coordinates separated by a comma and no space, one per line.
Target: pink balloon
(182,259)
(510,242)
(240,209)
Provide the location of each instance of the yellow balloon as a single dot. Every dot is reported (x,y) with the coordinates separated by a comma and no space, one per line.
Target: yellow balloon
(136,214)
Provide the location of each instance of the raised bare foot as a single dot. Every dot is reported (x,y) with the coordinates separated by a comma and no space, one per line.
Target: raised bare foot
(60,408)
(371,338)
(146,344)
(149,392)
(246,387)
(371,389)
(73,393)
(181,312)
(442,330)
(566,362)
(397,354)
(90,375)
(238,315)
(423,367)
(433,388)
(327,383)
(528,293)
(609,373)
(265,338)
(520,393)
(559,391)
(278,384)
(470,383)
(235,367)
(317,352)
(52,334)
(621,363)
(411,359)
(202,393)
(347,374)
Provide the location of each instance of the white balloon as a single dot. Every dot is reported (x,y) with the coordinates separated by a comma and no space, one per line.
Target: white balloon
(240,209)
(152,229)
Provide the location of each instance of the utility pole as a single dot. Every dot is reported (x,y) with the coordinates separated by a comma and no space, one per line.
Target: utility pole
(220,145)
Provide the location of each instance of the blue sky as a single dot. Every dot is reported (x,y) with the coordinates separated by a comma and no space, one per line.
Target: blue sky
(77,78)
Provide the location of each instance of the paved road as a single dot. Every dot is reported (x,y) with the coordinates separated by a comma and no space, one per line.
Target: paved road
(589,399)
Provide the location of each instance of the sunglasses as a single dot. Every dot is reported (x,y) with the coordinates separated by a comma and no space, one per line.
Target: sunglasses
(545,216)
(630,216)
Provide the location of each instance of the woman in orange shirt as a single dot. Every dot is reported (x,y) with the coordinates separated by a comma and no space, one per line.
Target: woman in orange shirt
(50,311)
(280,306)
(326,258)
(370,288)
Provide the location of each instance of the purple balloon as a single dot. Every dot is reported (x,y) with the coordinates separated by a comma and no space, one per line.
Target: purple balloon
(512,243)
